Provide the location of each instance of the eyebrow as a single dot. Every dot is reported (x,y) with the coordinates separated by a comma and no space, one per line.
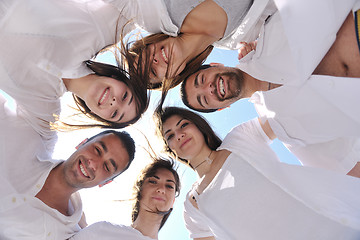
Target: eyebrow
(121,117)
(177,124)
(131,99)
(106,150)
(167,180)
(196,81)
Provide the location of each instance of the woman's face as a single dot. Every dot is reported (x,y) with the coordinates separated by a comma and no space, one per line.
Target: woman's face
(183,137)
(163,55)
(158,191)
(111,100)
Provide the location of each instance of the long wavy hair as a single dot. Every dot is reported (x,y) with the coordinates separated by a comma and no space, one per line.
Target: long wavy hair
(150,171)
(161,116)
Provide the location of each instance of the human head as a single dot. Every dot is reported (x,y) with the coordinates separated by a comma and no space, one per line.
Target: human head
(161,116)
(141,55)
(136,86)
(212,88)
(150,171)
(99,159)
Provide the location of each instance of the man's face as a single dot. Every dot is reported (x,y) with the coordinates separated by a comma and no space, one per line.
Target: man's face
(214,87)
(96,162)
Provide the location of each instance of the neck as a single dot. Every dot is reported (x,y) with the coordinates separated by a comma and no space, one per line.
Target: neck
(202,163)
(55,193)
(252,85)
(194,44)
(78,86)
(148,223)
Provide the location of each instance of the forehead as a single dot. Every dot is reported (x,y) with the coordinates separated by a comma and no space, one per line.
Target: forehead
(171,122)
(165,174)
(113,147)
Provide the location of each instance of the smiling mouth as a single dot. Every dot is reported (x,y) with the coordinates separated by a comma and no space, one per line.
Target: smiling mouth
(104,96)
(159,199)
(83,171)
(164,55)
(185,142)
(221,88)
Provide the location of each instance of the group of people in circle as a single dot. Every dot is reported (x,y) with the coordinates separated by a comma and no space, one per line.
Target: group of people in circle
(305,96)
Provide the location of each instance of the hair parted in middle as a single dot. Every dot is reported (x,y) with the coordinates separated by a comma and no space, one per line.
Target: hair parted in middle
(150,171)
(162,115)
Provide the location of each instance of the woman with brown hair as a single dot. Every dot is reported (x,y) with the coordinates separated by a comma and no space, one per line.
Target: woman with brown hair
(185,33)
(244,192)
(154,194)
(45,47)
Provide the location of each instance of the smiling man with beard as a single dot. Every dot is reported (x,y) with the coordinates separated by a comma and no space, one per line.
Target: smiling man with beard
(38,195)
(316,117)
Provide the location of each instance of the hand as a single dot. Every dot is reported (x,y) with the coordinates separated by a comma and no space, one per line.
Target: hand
(246,48)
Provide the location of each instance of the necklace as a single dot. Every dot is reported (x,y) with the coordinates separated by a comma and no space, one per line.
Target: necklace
(207,159)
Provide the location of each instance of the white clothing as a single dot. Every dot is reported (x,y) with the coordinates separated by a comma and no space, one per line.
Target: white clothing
(253,196)
(316,121)
(158,20)
(43,41)
(315,116)
(109,231)
(25,165)
(295,39)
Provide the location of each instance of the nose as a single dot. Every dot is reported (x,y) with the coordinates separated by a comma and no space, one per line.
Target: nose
(161,189)
(210,88)
(179,135)
(93,163)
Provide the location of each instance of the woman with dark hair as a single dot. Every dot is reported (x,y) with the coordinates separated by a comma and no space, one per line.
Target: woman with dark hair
(244,192)
(45,45)
(154,194)
(186,31)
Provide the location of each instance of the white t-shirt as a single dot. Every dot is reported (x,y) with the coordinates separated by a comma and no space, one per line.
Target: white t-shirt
(24,167)
(109,231)
(253,196)
(43,41)
(158,20)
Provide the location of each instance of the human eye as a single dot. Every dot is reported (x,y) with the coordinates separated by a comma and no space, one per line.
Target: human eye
(153,72)
(125,96)
(205,100)
(114,114)
(152,181)
(169,137)
(170,186)
(202,79)
(184,124)
(106,167)
(98,151)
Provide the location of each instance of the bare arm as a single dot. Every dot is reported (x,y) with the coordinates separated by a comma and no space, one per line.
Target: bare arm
(355,171)
(267,129)
(205,238)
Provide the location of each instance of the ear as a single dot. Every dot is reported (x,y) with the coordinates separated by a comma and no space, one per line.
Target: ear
(213,64)
(104,183)
(82,143)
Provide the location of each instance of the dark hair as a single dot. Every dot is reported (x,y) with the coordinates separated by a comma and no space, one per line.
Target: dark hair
(135,85)
(149,171)
(161,116)
(184,96)
(135,58)
(127,141)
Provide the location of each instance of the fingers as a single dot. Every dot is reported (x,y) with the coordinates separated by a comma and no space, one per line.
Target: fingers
(246,48)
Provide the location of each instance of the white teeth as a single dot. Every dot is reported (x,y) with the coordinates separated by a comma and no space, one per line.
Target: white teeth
(164,55)
(83,170)
(221,85)
(104,96)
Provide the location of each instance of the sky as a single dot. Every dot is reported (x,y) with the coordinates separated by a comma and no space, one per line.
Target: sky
(112,202)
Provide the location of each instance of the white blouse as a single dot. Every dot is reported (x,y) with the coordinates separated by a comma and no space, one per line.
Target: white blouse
(109,231)
(253,196)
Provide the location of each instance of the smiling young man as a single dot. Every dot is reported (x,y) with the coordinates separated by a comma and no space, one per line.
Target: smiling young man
(38,195)
(316,117)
